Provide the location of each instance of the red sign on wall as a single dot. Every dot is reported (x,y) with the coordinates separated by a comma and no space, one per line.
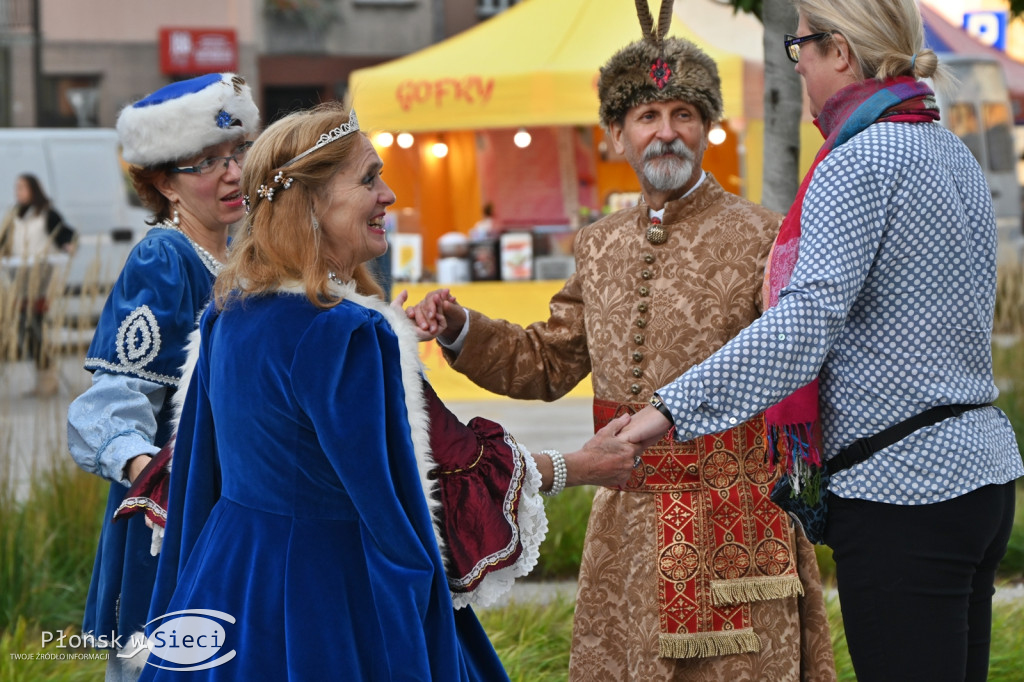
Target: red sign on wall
(189,51)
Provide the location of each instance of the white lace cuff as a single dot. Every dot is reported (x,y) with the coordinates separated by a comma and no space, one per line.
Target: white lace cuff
(533,528)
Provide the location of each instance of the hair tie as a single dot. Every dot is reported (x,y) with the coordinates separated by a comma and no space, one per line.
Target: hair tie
(913,58)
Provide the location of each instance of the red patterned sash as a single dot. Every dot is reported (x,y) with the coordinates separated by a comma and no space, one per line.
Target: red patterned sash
(721,542)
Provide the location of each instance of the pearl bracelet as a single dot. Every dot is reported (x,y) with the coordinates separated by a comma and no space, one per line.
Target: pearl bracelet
(559,472)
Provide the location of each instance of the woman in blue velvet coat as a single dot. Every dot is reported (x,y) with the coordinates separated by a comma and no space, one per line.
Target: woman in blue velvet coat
(327,515)
(184,143)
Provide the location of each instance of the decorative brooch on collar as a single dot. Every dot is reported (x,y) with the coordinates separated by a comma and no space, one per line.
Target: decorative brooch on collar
(656,232)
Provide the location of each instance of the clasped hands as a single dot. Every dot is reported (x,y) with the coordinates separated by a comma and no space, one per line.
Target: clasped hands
(606,459)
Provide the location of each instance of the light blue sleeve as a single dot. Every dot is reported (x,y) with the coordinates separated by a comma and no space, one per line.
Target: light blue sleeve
(842,221)
(114,421)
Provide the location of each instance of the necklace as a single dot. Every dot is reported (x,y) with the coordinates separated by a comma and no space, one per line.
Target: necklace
(334,278)
(211,263)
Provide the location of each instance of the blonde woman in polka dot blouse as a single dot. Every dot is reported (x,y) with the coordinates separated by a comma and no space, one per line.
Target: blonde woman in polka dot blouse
(888,312)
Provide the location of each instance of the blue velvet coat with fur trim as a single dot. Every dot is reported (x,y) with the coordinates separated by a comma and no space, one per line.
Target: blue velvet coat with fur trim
(297,502)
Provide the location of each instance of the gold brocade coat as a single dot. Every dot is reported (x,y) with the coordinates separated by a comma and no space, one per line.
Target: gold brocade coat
(636,316)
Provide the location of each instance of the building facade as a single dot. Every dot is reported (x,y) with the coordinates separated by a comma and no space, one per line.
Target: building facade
(67,63)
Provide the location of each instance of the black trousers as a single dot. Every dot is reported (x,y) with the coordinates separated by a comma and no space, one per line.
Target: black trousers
(31,318)
(916,583)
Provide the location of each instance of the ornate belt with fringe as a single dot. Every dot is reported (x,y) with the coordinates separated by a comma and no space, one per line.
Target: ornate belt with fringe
(721,542)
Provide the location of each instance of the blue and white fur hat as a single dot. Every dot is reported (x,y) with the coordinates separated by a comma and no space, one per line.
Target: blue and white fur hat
(181,119)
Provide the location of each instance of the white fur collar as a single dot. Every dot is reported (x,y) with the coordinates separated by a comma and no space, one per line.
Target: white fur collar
(415,403)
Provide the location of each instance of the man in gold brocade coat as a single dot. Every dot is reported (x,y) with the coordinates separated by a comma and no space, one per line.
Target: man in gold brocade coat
(689,572)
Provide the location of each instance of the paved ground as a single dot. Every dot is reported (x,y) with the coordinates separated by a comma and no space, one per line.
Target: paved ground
(33,431)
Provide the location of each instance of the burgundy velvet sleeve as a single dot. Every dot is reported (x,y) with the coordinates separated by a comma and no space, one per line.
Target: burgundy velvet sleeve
(480,477)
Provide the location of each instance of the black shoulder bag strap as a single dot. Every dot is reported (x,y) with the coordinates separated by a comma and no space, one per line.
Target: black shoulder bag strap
(862,448)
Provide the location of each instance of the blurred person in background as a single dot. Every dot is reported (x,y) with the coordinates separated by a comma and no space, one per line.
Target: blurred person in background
(31,232)
(880,299)
(689,571)
(483,229)
(185,143)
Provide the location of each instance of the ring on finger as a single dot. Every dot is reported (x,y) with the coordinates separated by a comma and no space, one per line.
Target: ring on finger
(637,461)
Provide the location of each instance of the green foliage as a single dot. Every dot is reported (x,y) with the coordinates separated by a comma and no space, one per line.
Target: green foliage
(562,549)
(47,545)
(26,643)
(1008,367)
(1007,651)
(826,565)
(844,667)
(749,6)
(1012,565)
(532,641)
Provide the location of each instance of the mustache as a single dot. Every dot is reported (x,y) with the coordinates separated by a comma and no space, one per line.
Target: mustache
(659,148)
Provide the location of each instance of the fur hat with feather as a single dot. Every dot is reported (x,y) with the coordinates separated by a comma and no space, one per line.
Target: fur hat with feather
(658,69)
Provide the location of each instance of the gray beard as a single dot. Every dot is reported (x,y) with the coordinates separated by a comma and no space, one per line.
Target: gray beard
(667,173)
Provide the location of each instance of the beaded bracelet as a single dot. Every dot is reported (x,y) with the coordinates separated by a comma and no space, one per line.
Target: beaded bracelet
(559,472)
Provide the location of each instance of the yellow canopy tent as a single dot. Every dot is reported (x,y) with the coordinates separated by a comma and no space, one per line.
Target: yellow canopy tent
(535,64)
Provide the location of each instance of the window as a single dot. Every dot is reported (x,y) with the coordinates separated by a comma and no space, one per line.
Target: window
(488,8)
(69,101)
(963,121)
(998,136)
(15,16)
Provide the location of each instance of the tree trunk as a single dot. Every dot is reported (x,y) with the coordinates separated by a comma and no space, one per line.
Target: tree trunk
(783,107)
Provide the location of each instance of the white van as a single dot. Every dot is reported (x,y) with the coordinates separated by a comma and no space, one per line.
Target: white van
(978,110)
(80,170)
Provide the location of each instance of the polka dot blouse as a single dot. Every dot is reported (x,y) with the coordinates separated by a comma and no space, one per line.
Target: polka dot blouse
(890,305)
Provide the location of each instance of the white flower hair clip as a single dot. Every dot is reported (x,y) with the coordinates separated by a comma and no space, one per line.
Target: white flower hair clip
(267,191)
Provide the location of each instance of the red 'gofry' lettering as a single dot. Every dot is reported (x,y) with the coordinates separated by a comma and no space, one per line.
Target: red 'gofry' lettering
(470,89)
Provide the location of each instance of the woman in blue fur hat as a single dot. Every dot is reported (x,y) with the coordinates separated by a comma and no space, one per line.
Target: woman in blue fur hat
(185,143)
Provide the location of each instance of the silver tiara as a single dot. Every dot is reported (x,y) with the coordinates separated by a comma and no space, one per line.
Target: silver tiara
(330,136)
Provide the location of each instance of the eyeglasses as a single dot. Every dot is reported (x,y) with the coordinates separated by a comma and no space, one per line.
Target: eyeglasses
(792,44)
(207,166)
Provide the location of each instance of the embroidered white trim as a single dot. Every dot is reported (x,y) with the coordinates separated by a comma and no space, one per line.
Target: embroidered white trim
(143,502)
(132,351)
(137,344)
(100,363)
(518,472)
